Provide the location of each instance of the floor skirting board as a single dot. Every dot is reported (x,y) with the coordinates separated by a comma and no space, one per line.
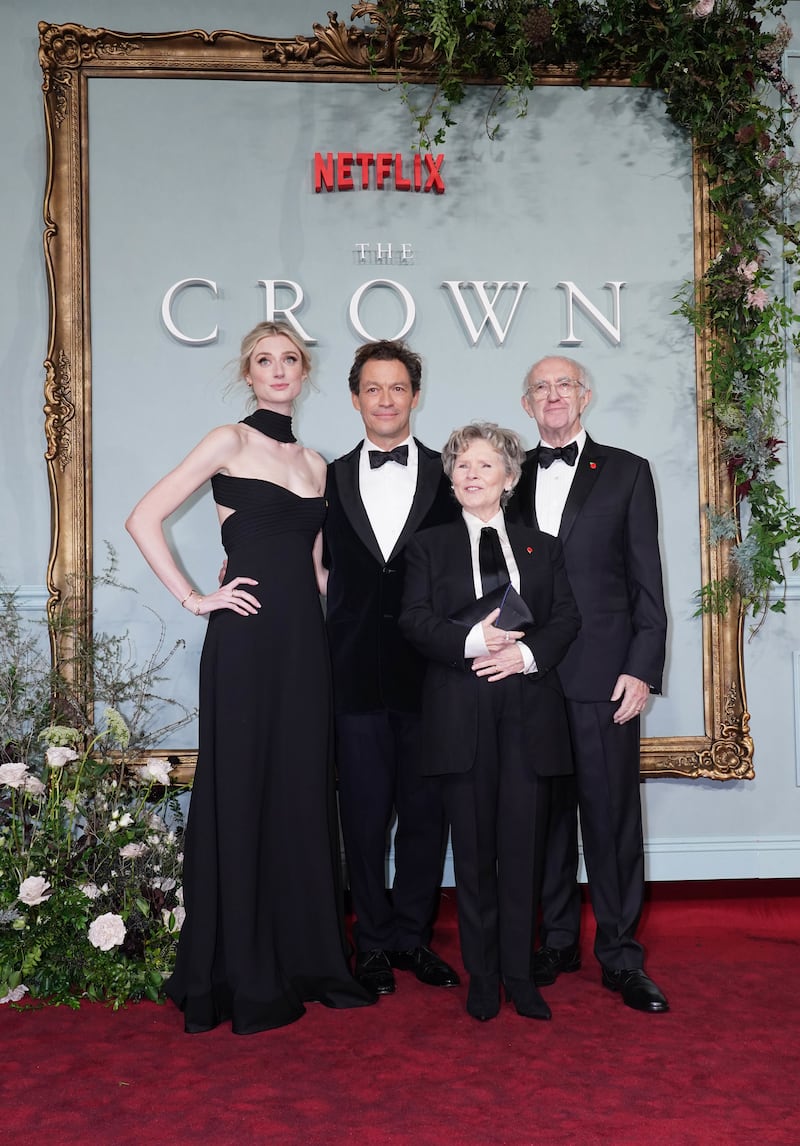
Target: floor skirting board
(720,857)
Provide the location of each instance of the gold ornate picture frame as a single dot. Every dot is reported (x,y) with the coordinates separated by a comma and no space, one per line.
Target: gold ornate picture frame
(69,56)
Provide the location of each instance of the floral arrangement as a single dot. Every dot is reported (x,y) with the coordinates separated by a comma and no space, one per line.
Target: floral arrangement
(91,900)
(717,64)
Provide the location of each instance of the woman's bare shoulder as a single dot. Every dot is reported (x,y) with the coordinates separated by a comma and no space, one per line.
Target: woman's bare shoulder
(316,461)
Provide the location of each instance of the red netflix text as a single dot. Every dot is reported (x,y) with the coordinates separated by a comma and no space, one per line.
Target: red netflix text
(383,170)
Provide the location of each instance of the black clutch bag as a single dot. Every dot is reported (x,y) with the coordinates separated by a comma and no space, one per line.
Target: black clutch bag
(514,613)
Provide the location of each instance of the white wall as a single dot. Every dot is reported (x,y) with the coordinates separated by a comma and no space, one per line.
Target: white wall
(695,829)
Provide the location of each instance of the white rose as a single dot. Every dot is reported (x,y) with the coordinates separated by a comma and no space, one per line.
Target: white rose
(164,883)
(90,890)
(112,827)
(58,757)
(15,994)
(107,931)
(35,889)
(173,918)
(133,851)
(13,774)
(126,820)
(34,785)
(155,770)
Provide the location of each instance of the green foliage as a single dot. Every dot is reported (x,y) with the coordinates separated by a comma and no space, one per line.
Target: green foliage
(717,65)
(90,827)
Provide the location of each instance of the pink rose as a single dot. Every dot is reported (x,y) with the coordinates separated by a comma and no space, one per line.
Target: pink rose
(58,757)
(748,270)
(133,851)
(34,785)
(757,297)
(13,774)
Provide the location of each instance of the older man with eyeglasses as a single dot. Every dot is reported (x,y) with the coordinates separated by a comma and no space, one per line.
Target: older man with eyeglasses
(600,501)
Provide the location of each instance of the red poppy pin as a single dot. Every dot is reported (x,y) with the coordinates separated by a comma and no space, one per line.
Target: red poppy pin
(592,465)
(529,549)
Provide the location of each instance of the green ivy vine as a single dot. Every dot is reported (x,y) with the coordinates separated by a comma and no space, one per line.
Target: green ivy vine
(718,66)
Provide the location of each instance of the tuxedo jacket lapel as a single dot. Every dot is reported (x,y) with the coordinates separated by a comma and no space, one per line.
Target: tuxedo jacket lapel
(587,470)
(350,497)
(429,474)
(526,492)
(457,567)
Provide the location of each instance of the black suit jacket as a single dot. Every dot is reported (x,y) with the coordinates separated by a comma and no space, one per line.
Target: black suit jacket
(609,531)
(374,667)
(439,581)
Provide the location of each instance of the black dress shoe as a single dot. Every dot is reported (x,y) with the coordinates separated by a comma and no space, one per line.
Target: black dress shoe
(373,971)
(637,989)
(526,999)
(549,962)
(426,965)
(483,997)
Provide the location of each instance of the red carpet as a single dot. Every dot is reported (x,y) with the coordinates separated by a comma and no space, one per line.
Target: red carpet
(721,1069)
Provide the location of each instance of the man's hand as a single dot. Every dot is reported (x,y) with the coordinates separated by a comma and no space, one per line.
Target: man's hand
(633,693)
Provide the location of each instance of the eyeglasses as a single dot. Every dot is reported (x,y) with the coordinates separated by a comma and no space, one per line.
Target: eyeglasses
(564,387)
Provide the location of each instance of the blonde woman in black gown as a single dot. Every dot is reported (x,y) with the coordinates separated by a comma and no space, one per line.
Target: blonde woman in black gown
(263,932)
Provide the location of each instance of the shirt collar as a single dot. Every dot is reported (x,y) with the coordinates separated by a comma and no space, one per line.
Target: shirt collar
(409,441)
(580,438)
(475,525)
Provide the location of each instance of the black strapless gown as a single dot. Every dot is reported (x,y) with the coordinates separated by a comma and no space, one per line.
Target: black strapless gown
(263,930)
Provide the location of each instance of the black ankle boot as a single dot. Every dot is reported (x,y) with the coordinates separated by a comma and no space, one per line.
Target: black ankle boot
(525,996)
(483,997)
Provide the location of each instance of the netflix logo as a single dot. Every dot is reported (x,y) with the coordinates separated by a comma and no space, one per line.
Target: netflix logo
(382,171)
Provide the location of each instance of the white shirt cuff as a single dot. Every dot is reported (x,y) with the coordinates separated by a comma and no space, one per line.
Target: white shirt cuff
(528,661)
(475,644)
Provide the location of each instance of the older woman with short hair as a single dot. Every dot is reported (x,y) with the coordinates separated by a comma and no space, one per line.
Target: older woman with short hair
(489,604)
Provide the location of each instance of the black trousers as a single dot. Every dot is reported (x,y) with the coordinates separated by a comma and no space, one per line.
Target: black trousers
(378,756)
(605,788)
(497,812)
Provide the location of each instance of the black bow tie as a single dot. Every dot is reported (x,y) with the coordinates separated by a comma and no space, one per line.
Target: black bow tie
(378,458)
(568,454)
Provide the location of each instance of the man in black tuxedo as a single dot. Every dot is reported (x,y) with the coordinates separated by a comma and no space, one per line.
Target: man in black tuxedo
(601,503)
(379,495)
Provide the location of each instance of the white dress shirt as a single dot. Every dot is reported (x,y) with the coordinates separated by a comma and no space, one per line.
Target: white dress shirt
(553,486)
(388,493)
(475,644)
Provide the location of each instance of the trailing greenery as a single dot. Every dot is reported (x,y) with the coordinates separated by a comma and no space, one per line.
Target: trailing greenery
(717,64)
(90,826)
